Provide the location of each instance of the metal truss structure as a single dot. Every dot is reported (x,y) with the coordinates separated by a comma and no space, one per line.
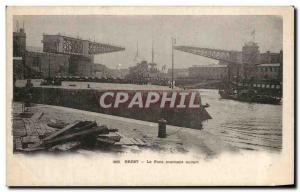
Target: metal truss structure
(75,46)
(232,57)
(98,48)
(218,54)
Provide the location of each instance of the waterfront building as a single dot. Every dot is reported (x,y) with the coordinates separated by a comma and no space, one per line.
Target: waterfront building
(43,65)
(60,56)
(208,72)
(19,43)
(269,71)
(145,72)
(178,73)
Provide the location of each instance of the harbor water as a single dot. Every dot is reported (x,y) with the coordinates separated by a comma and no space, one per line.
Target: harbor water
(247,126)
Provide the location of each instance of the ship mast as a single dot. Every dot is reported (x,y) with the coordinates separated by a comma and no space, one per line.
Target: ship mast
(137,52)
(152,56)
(173,41)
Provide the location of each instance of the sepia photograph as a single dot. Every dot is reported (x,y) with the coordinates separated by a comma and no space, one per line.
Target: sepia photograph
(154,90)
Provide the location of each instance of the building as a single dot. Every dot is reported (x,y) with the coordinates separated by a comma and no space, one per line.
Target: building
(81,66)
(18,71)
(32,62)
(268,71)
(59,56)
(145,72)
(178,73)
(269,57)
(19,50)
(253,62)
(19,43)
(101,71)
(119,73)
(45,65)
(208,72)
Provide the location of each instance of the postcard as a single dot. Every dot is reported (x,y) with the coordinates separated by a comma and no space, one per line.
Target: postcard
(150,96)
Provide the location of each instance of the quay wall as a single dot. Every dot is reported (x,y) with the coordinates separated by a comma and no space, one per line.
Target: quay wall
(88,99)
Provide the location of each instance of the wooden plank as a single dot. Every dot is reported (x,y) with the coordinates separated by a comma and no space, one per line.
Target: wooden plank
(19,129)
(140,141)
(57,125)
(27,127)
(35,127)
(66,146)
(25,115)
(134,141)
(106,140)
(18,143)
(41,132)
(30,139)
(122,136)
(19,132)
(131,141)
(76,136)
(50,129)
(33,147)
(57,133)
(37,116)
(82,125)
(111,135)
(125,141)
(30,127)
(42,127)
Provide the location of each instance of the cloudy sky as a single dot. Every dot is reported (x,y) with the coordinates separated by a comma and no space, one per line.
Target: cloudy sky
(220,32)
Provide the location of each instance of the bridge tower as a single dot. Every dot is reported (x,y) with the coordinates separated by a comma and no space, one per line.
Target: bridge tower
(19,43)
(81,52)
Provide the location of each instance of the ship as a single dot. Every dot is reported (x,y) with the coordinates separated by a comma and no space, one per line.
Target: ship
(265,92)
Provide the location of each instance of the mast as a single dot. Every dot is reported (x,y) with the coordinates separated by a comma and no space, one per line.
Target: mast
(152,56)
(137,49)
(173,41)
(253,35)
(137,52)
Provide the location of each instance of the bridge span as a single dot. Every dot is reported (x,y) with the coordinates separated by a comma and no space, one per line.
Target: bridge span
(76,46)
(250,54)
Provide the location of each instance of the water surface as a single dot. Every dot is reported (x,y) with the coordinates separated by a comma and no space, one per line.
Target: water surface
(248,126)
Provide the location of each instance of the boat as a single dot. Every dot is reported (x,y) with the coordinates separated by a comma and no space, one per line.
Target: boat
(249,95)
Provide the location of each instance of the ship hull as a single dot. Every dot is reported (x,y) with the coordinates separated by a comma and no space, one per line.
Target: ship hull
(263,99)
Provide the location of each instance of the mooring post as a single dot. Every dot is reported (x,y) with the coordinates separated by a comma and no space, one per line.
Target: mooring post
(162,130)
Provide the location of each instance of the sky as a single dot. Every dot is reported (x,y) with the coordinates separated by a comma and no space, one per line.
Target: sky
(219,32)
